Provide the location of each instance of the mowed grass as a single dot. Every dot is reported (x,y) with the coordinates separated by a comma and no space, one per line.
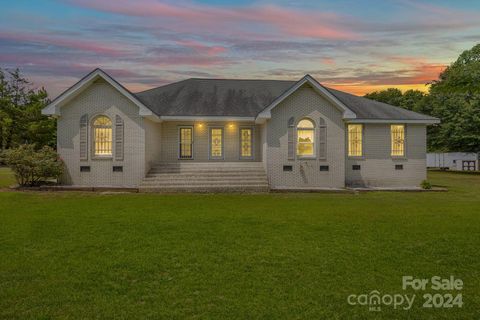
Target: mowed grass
(231,256)
(6,177)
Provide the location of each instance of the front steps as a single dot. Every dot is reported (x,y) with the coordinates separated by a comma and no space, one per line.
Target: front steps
(206,177)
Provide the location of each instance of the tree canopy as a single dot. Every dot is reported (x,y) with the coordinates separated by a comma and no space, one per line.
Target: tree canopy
(21,120)
(454,98)
(395,97)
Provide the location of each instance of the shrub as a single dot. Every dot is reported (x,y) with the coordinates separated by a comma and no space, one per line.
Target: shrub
(31,167)
(426,185)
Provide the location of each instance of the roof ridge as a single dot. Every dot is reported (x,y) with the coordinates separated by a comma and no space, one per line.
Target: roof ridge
(242,79)
(165,85)
(215,79)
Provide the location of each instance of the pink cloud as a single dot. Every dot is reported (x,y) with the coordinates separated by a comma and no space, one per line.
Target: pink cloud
(288,21)
(202,49)
(301,23)
(328,61)
(420,69)
(78,44)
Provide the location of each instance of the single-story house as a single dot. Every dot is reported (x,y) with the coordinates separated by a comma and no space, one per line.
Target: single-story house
(458,161)
(199,134)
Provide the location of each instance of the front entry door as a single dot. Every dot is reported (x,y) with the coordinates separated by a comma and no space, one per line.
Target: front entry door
(185,143)
(216,143)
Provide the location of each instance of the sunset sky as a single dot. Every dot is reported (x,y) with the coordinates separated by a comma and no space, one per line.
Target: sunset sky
(354,46)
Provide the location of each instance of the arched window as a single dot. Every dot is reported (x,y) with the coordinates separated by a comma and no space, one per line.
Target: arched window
(306,138)
(102,136)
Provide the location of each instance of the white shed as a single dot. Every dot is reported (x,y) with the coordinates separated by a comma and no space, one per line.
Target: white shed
(461,161)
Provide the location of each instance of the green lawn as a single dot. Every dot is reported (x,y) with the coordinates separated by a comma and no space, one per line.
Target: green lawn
(230,256)
(6,177)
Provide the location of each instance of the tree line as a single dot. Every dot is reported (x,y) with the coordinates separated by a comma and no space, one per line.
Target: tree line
(454,98)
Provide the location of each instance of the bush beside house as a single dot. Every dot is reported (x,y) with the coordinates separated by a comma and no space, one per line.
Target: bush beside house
(33,167)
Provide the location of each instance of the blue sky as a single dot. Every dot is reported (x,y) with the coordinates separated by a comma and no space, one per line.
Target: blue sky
(355,46)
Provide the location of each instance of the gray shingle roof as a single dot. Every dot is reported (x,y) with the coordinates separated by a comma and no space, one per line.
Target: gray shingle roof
(370,109)
(213,97)
(247,98)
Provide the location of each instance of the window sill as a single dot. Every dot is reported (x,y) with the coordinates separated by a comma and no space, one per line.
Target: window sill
(399,158)
(356,157)
(102,158)
(306,158)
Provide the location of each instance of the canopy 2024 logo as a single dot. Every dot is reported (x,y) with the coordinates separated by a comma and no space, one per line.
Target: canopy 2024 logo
(448,297)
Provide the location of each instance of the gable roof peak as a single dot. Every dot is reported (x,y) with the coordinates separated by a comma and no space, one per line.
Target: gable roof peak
(54,107)
(347,113)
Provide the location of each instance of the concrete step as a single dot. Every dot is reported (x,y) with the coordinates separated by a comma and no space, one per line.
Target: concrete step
(204,171)
(205,189)
(203,183)
(208,167)
(206,178)
(191,175)
(208,164)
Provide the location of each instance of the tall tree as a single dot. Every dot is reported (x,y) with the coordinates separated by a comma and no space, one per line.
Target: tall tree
(408,100)
(411,100)
(391,96)
(21,120)
(455,99)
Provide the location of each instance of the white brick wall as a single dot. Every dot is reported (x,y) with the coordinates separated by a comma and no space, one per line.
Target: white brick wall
(263,144)
(377,167)
(153,143)
(305,102)
(147,142)
(101,98)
